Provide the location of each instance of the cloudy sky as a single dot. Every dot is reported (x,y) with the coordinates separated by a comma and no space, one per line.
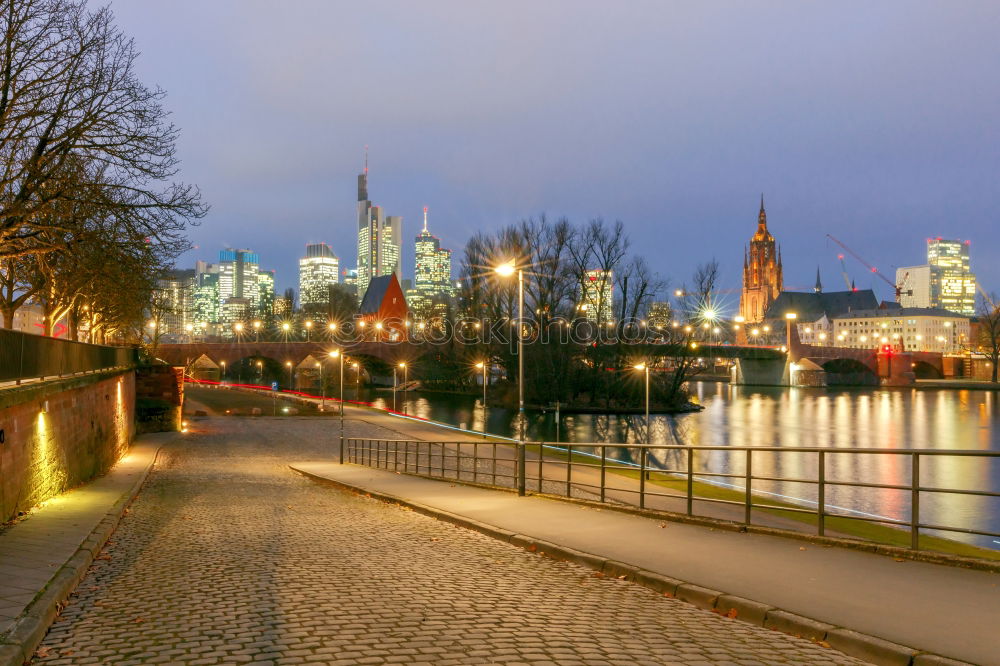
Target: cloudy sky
(877,122)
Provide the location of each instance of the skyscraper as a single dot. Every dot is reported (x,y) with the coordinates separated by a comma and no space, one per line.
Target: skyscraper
(762,278)
(265,297)
(596,301)
(239,289)
(318,271)
(378,238)
(945,281)
(432,273)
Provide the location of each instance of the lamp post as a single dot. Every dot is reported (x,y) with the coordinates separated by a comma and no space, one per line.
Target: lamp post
(288,364)
(309,326)
(256,331)
(357,380)
(645,368)
(395,387)
(322,386)
(482,366)
(790,318)
(239,328)
(223,370)
(337,353)
(285,328)
(260,371)
(403,366)
(506,270)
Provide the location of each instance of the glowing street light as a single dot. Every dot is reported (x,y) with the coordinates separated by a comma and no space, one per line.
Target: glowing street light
(288,364)
(256,331)
(238,327)
(645,369)
(309,326)
(337,353)
(506,270)
(482,366)
(403,366)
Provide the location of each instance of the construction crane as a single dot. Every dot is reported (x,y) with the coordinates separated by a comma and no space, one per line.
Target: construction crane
(897,288)
(843,271)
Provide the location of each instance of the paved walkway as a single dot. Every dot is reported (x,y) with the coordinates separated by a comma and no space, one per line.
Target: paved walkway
(935,608)
(228,556)
(38,549)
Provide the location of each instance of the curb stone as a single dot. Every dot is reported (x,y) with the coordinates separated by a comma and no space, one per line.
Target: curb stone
(875,650)
(18,645)
(849,642)
(797,625)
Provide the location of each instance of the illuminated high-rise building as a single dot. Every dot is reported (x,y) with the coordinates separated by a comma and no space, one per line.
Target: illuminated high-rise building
(239,288)
(432,273)
(596,299)
(265,295)
(945,281)
(318,271)
(953,285)
(762,275)
(379,238)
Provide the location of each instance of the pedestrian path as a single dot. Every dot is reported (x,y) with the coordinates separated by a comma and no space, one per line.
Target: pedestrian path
(932,608)
(44,554)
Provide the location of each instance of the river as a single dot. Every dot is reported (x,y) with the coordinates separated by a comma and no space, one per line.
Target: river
(835,418)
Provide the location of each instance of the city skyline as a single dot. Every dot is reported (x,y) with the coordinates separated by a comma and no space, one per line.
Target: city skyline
(883,145)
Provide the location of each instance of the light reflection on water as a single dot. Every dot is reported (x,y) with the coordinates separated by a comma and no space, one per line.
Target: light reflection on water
(789,418)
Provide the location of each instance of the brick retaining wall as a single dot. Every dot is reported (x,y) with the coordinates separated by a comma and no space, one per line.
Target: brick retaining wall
(58,434)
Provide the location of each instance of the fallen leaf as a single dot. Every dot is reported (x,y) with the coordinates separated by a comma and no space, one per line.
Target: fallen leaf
(802,547)
(42,652)
(732,613)
(899,559)
(139,620)
(823,644)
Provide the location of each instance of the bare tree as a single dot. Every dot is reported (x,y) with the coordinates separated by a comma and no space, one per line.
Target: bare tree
(988,341)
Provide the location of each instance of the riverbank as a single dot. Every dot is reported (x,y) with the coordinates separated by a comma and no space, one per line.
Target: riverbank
(564,408)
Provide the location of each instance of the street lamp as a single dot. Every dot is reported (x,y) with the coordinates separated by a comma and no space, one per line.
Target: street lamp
(223,363)
(285,327)
(260,371)
(403,366)
(645,368)
(239,328)
(482,365)
(288,364)
(790,318)
(309,326)
(336,353)
(357,381)
(506,270)
(256,331)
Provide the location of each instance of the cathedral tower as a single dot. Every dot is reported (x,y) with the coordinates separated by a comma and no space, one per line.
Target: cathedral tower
(762,280)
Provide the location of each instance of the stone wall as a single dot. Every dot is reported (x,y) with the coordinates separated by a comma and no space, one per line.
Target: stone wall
(159,394)
(58,434)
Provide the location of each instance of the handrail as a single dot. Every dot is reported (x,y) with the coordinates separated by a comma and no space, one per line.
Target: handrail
(27,356)
(501,461)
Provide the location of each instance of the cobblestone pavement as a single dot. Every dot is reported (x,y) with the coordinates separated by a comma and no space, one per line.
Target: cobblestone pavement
(229,557)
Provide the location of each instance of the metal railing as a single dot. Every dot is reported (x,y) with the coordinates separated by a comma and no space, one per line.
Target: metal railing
(588,471)
(26,356)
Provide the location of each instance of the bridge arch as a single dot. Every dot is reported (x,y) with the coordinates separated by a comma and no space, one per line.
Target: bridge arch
(849,372)
(925,370)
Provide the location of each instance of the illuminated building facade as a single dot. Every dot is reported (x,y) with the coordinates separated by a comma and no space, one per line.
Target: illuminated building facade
(596,298)
(379,238)
(945,281)
(432,273)
(239,289)
(265,295)
(318,271)
(762,274)
(907,329)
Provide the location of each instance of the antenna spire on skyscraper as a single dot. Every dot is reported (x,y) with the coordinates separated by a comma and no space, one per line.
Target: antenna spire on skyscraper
(425,219)
(366,164)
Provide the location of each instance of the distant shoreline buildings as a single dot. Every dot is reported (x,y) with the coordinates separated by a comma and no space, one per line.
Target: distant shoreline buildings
(234,296)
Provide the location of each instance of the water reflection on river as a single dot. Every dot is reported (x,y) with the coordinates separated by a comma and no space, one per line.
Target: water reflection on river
(790,418)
